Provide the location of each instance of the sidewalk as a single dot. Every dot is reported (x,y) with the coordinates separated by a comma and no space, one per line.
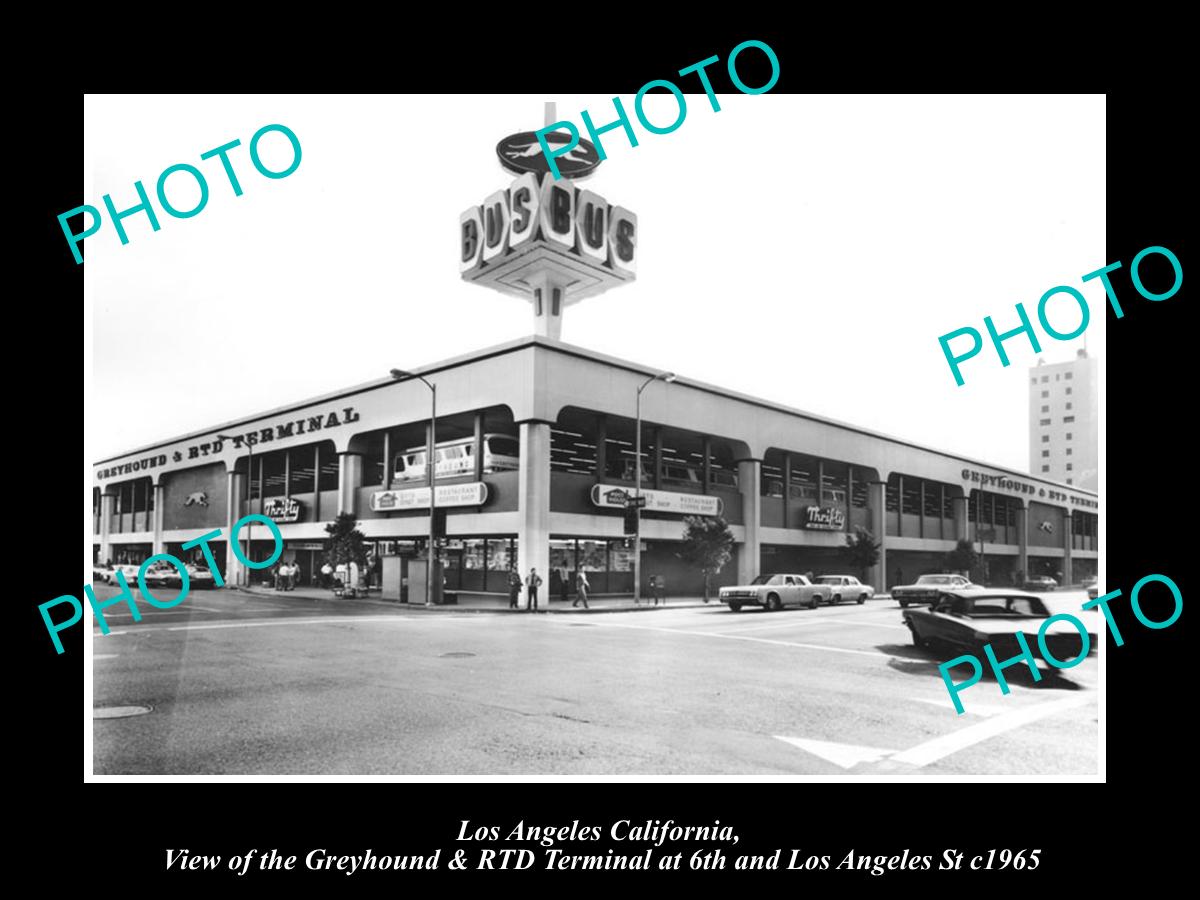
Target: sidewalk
(310,596)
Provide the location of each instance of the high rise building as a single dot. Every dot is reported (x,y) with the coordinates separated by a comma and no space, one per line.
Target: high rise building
(1063,433)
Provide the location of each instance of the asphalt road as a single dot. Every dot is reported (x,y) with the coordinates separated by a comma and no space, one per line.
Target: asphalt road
(250,685)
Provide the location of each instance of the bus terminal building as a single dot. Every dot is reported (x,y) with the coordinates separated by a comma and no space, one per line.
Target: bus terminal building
(537,445)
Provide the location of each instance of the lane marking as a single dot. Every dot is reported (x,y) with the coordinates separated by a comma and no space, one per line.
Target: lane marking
(849,755)
(757,640)
(973,710)
(941,747)
(845,755)
(105,655)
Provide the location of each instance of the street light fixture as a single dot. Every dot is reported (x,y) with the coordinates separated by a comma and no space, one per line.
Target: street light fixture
(249,482)
(430,466)
(668,377)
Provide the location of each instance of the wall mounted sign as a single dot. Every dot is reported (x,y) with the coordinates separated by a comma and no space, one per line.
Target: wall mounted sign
(474,493)
(611,496)
(282,509)
(824,518)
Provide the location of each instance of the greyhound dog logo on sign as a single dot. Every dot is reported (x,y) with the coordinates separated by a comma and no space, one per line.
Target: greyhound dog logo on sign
(196,498)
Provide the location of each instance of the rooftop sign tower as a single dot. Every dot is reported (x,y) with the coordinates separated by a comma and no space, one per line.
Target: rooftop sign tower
(545,239)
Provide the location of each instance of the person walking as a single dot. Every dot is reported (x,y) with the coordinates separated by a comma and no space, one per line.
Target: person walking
(326,575)
(581,588)
(514,589)
(532,583)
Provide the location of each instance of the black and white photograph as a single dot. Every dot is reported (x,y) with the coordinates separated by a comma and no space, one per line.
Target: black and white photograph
(696,434)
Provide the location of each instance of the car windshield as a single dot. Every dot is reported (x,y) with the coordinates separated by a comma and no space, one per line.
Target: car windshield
(1009,607)
(937,579)
(767,579)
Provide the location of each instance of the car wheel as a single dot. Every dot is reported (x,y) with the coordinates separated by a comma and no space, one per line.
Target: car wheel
(903,604)
(917,640)
(735,606)
(773,603)
(862,597)
(837,598)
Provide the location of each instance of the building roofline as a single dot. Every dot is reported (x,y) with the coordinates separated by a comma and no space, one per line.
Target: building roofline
(582,353)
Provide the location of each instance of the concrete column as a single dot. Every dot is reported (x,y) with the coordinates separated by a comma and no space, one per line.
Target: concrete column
(349,481)
(787,489)
(750,553)
(533,491)
(478,451)
(157,520)
(1022,541)
(961,520)
(877,507)
(108,504)
(235,572)
(1068,573)
(549,297)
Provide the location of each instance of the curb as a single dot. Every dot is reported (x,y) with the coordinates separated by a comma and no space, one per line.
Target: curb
(452,607)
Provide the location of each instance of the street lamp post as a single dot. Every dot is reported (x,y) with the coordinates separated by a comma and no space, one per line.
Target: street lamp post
(431,468)
(637,492)
(249,482)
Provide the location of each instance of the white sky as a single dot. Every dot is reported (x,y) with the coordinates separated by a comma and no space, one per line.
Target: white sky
(807,250)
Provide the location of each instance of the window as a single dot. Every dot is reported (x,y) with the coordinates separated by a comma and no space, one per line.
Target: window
(1069,467)
(1045,454)
(1068,451)
(1068,390)
(1045,468)
(1045,378)
(1068,435)
(327,477)
(1067,376)
(1057,377)
(1033,381)
(1045,438)
(1044,422)
(1068,404)
(303,475)
(1068,419)
(1045,409)
(1069,481)
(1045,394)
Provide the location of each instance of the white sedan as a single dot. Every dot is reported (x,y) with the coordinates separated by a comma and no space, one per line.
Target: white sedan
(847,587)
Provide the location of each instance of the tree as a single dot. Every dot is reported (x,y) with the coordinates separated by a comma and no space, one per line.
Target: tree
(861,551)
(345,542)
(963,558)
(707,545)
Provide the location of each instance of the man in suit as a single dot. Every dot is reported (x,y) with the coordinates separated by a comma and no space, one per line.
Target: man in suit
(532,583)
(514,588)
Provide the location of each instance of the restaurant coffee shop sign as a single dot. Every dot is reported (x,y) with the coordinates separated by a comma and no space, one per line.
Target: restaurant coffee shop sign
(614,496)
(282,509)
(824,518)
(472,494)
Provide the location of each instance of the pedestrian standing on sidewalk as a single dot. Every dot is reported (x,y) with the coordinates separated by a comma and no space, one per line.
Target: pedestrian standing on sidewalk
(514,589)
(564,583)
(581,588)
(326,575)
(532,583)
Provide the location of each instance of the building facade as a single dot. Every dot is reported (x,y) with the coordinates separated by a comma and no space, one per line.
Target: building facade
(1063,422)
(536,459)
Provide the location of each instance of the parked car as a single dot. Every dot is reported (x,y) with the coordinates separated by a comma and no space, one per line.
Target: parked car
(773,592)
(847,587)
(198,578)
(102,573)
(129,570)
(1040,583)
(1092,585)
(928,588)
(969,619)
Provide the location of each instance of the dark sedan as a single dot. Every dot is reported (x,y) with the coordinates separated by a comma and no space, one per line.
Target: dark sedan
(967,620)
